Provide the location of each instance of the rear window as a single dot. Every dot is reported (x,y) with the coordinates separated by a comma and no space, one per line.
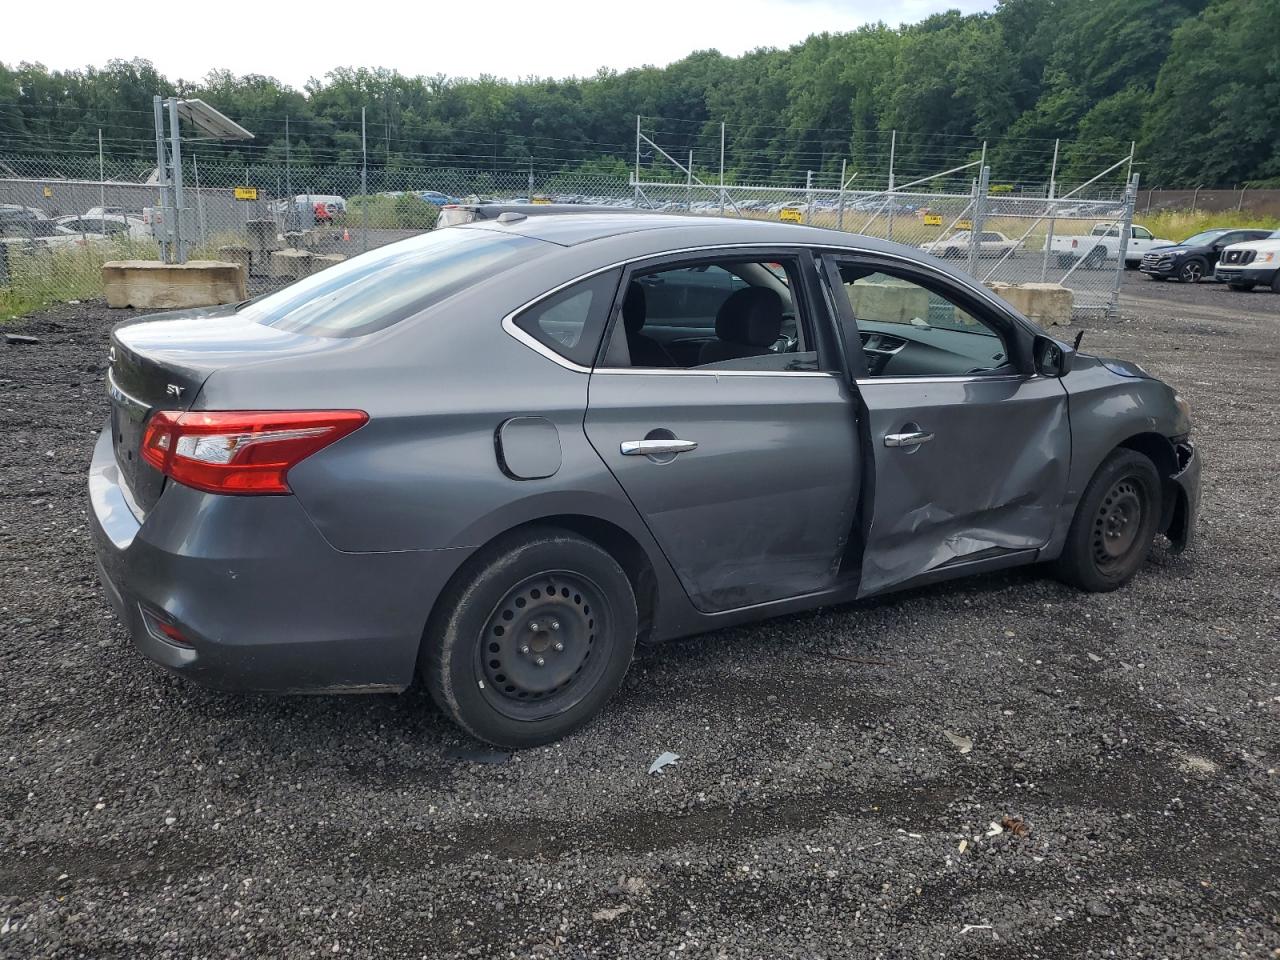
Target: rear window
(384,286)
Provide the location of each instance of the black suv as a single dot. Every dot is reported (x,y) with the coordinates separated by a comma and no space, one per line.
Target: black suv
(1194,258)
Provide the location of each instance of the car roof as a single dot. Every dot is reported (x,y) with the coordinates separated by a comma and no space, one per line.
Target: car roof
(666,231)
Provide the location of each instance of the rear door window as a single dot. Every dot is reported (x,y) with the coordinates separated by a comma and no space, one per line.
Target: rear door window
(384,286)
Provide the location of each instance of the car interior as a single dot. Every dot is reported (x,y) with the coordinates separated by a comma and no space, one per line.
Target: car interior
(737,313)
(908,329)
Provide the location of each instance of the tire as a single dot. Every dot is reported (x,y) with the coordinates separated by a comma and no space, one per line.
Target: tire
(1275,282)
(1192,271)
(1065,261)
(532,640)
(1242,287)
(1095,260)
(1114,524)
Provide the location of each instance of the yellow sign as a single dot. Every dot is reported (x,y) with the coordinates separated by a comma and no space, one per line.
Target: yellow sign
(933,219)
(964,224)
(246,193)
(48,191)
(791,215)
(540,200)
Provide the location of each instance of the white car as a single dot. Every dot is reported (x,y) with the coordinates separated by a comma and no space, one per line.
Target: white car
(1254,263)
(1102,243)
(990,243)
(99,226)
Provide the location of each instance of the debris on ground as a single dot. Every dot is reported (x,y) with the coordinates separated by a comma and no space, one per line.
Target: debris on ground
(18,338)
(493,758)
(609,913)
(1015,825)
(974,926)
(664,760)
(963,744)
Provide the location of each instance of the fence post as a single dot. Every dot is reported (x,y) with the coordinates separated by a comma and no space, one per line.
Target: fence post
(808,195)
(688,185)
(636,182)
(893,151)
(364,183)
(1240,202)
(1122,243)
(1052,209)
(1195,197)
(162,181)
(179,203)
(981,186)
(840,199)
(722,168)
(204,224)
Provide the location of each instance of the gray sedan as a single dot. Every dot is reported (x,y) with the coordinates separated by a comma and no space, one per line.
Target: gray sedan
(500,455)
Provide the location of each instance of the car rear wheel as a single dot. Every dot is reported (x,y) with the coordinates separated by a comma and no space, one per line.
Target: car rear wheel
(533,640)
(1114,524)
(1192,271)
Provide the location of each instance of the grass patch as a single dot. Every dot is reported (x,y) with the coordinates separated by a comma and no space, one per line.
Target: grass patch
(1177,225)
(40,276)
(405,212)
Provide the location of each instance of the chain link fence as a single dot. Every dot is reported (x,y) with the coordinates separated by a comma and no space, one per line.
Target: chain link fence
(282,222)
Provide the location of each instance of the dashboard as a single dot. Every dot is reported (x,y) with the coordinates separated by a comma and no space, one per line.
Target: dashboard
(907,350)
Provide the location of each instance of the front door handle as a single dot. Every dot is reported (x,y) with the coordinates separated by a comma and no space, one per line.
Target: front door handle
(656,448)
(913,439)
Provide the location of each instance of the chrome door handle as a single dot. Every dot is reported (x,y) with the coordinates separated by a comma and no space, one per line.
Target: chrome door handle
(651,448)
(913,439)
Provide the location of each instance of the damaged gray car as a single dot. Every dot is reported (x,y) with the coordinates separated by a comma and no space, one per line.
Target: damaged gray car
(499,455)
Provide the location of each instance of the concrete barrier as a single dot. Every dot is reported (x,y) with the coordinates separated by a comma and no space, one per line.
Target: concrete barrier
(1048,304)
(323,261)
(237,253)
(149,284)
(290,264)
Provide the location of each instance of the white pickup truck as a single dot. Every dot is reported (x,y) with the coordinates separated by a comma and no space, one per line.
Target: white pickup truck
(1101,244)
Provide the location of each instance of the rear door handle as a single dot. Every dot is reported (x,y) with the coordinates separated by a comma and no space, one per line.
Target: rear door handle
(651,448)
(913,439)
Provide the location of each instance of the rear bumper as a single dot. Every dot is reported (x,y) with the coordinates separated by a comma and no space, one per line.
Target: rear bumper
(1244,275)
(264,601)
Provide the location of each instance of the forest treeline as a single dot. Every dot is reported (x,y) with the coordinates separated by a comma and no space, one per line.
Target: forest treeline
(1196,83)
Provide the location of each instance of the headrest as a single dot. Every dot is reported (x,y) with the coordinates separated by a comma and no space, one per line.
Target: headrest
(633,307)
(751,316)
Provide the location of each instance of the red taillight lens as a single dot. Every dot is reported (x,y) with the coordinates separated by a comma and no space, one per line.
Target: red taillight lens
(241,451)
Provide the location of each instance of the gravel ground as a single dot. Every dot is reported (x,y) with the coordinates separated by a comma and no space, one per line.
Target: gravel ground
(826,802)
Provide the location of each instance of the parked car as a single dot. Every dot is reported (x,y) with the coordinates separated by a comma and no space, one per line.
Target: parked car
(1102,244)
(503,453)
(1253,263)
(105,225)
(1195,257)
(436,197)
(990,243)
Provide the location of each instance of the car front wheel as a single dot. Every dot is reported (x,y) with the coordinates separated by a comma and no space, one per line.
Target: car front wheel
(1192,271)
(533,639)
(1114,524)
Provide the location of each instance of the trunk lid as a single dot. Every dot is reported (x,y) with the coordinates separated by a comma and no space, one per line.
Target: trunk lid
(161,362)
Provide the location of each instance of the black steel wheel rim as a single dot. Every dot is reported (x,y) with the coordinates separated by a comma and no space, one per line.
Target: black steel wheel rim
(545,645)
(1118,523)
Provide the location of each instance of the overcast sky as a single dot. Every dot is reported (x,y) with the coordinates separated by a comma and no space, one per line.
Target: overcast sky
(294,41)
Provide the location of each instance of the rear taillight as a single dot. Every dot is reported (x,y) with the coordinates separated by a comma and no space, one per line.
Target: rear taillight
(246,452)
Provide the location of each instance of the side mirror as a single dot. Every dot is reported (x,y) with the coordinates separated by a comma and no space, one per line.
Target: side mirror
(1052,358)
